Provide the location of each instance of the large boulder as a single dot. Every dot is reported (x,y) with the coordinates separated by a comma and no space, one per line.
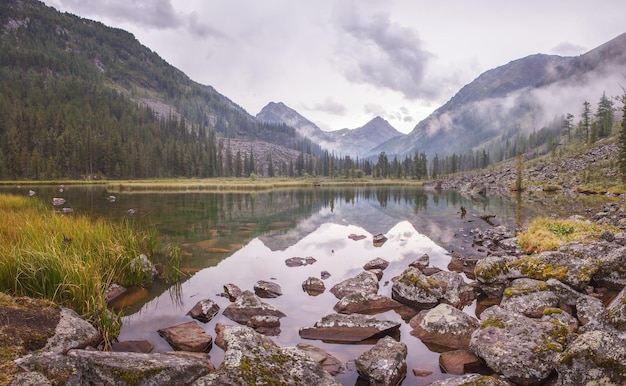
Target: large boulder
(352,328)
(248,305)
(596,357)
(365,281)
(456,291)
(72,332)
(444,326)
(524,350)
(89,367)
(383,364)
(528,296)
(612,270)
(415,289)
(254,359)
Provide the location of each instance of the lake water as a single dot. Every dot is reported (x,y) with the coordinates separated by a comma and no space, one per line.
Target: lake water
(242,238)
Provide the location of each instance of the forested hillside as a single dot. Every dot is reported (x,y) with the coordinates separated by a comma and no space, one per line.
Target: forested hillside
(82,100)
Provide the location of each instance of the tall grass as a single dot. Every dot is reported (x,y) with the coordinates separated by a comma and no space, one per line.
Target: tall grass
(69,259)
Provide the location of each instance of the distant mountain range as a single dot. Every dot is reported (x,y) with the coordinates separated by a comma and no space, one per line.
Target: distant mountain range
(356,142)
(519,97)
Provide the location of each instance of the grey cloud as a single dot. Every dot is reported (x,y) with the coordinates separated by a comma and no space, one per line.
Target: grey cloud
(158,14)
(384,54)
(401,114)
(330,106)
(568,49)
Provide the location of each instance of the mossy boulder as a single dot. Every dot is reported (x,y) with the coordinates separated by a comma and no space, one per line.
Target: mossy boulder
(254,359)
(522,349)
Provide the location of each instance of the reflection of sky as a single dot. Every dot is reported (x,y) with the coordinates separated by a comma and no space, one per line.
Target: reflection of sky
(329,244)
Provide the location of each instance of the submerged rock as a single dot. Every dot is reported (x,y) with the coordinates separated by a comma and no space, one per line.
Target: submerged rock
(254,359)
(187,337)
(327,361)
(383,364)
(349,328)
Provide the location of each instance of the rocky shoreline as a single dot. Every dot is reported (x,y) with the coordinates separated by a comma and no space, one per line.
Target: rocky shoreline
(553,318)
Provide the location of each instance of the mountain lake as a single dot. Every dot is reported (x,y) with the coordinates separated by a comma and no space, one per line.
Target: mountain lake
(242,238)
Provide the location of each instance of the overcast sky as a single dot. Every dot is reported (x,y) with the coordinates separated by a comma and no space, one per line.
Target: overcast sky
(339,63)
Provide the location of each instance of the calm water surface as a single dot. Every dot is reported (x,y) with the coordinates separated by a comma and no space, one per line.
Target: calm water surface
(241,238)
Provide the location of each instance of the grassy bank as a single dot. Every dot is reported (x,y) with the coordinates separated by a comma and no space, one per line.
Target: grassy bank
(71,260)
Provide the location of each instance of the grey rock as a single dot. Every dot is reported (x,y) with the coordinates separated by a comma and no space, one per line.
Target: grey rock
(187,337)
(376,263)
(473,380)
(456,291)
(313,286)
(383,364)
(444,326)
(72,332)
(267,289)
(90,367)
(415,289)
(594,357)
(529,297)
(204,310)
(327,361)
(351,328)
(254,359)
(248,305)
(365,281)
(522,349)
(365,303)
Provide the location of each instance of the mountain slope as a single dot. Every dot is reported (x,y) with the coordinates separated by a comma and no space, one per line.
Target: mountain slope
(519,97)
(356,143)
(38,38)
